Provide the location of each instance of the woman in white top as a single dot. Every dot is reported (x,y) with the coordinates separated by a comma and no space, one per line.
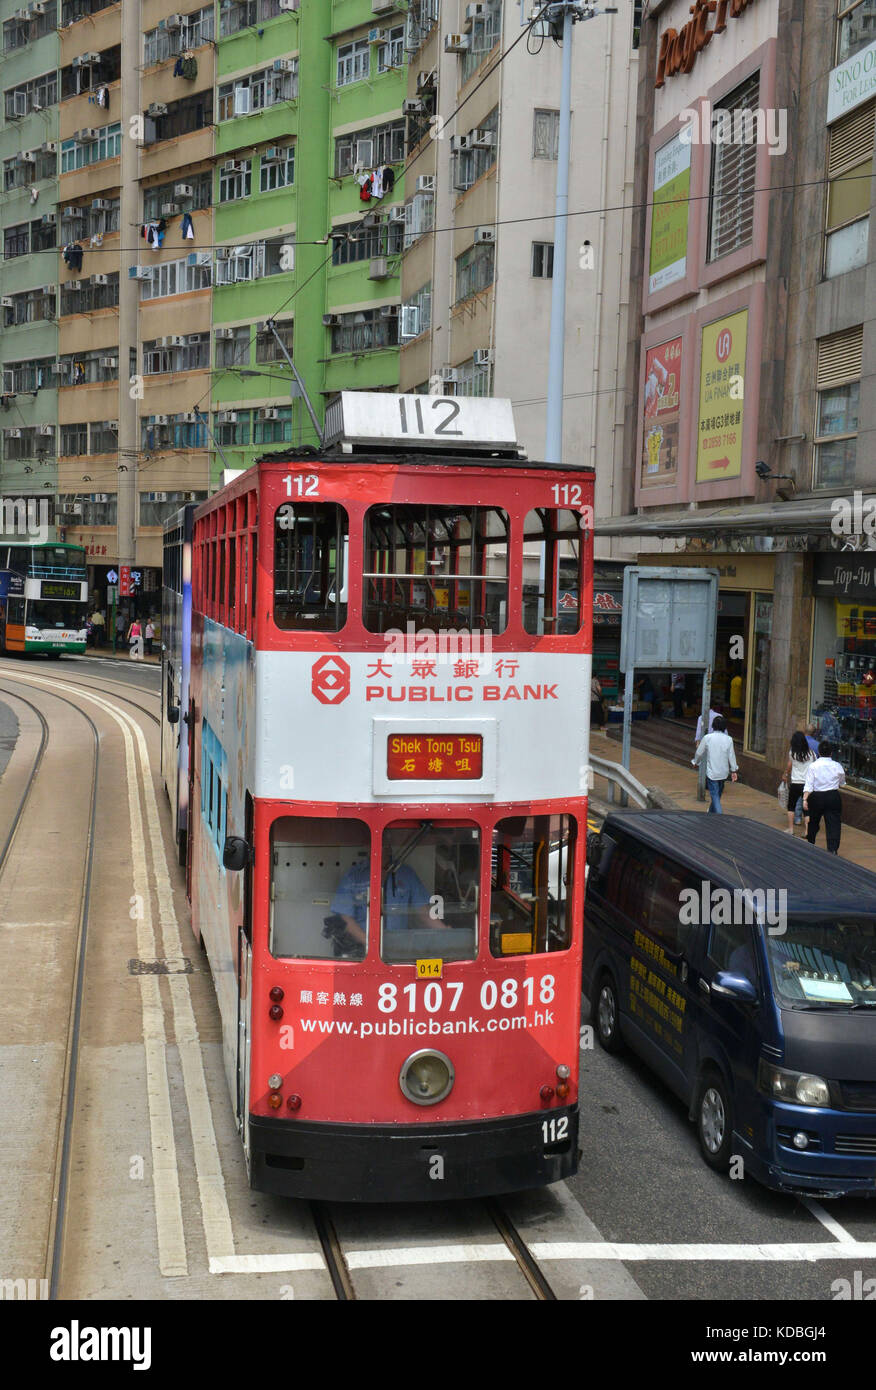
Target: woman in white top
(800,757)
(821,797)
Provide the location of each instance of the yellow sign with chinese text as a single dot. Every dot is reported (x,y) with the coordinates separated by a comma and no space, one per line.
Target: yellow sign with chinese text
(722,405)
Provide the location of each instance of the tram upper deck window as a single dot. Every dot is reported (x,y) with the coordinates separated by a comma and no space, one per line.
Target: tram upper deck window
(320,874)
(531,885)
(436,567)
(310,588)
(552,574)
(429,891)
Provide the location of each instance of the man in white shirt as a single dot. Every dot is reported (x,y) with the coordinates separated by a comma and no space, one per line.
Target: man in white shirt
(714,712)
(717,749)
(821,797)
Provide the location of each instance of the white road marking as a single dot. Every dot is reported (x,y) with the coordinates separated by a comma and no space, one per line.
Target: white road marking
(792,1251)
(165,1175)
(828,1222)
(426,1255)
(264,1264)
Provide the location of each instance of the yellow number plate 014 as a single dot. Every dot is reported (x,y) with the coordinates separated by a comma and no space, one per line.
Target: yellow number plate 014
(429,969)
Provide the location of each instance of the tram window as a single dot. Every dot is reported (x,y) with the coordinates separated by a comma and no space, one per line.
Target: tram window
(320,880)
(531,885)
(552,578)
(310,590)
(437,568)
(429,891)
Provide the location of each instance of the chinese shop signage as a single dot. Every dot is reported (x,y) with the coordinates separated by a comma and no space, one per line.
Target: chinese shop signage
(680,48)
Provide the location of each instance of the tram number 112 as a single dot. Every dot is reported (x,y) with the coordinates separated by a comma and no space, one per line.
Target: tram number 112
(433,403)
(555,1130)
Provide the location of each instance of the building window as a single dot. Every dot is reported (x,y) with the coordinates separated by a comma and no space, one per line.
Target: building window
(162,43)
(277,168)
(257,91)
(234,263)
(838,386)
(543,260)
(416,313)
(34,95)
(856,27)
(243,14)
(277,429)
(370,147)
(16,241)
(74,440)
(472,379)
(190,353)
(36,375)
(353,62)
(419,217)
(231,428)
(279,255)
(731,206)
(546,135)
(365,331)
(475,270)
(157,197)
(90,297)
(469,164)
(483,37)
(107,144)
(849,170)
(232,346)
(235,180)
(391,53)
(362,243)
(174,277)
(267,347)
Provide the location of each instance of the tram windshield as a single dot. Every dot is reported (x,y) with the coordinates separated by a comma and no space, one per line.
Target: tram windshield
(309,549)
(531,886)
(320,877)
(436,567)
(429,891)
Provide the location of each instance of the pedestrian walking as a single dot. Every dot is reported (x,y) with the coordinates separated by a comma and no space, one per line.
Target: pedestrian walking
(821,797)
(714,712)
(812,738)
(148,635)
(597,712)
(97,627)
(800,756)
(717,749)
(679,681)
(135,635)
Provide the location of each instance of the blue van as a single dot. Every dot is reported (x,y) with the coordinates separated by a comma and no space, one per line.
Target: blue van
(740,964)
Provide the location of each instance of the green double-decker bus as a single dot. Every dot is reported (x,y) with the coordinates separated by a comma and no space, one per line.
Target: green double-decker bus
(43,598)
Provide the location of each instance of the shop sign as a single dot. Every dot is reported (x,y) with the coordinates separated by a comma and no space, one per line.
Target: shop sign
(669,212)
(852,83)
(846,575)
(721,416)
(660,435)
(680,48)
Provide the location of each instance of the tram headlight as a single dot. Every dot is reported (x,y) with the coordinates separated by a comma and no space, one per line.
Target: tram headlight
(426,1077)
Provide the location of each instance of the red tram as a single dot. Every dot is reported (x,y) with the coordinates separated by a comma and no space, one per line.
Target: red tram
(388,724)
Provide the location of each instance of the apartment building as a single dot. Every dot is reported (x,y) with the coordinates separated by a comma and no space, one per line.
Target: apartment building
(482,118)
(28,279)
(750,437)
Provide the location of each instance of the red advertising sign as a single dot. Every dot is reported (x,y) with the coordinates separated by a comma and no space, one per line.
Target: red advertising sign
(434,757)
(125,580)
(660,438)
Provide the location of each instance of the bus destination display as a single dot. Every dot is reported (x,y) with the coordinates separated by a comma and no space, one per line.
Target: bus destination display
(434,757)
(52,589)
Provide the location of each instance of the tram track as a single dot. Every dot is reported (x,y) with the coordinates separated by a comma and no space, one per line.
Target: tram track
(58,1195)
(77,681)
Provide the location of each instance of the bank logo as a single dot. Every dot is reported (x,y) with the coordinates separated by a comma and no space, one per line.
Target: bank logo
(330,680)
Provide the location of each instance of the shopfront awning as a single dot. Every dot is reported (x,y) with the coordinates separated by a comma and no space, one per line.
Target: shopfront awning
(809,516)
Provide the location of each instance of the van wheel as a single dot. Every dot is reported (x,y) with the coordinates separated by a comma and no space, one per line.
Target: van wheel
(715,1121)
(607,1015)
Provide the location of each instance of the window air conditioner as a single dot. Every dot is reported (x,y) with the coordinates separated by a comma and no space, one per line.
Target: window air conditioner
(378,268)
(199,258)
(73,212)
(233,166)
(100,280)
(284,65)
(473,12)
(482,139)
(160,419)
(289,5)
(49,147)
(169,209)
(269,413)
(12,434)
(273,155)
(89,59)
(86,136)
(224,333)
(109,362)
(46,431)
(190,418)
(7,302)
(226,417)
(450,374)
(483,357)
(413,106)
(382,6)
(483,234)
(72,285)
(183,190)
(178,340)
(426,183)
(328,320)
(140,272)
(48,219)
(173,22)
(456,43)
(389,311)
(397,213)
(100,205)
(425,80)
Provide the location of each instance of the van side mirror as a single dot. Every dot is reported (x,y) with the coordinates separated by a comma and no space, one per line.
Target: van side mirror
(734,986)
(173,714)
(236,853)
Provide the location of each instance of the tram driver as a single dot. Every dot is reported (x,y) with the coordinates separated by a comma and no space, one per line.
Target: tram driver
(406,902)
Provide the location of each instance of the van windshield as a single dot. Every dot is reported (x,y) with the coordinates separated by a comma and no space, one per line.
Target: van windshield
(825,963)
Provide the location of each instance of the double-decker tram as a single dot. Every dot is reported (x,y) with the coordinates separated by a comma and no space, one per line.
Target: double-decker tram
(43,597)
(176,630)
(389,690)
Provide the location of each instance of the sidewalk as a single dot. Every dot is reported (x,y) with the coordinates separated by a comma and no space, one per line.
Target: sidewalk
(121,654)
(680,783)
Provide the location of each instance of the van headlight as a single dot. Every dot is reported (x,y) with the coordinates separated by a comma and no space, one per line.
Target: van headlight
(799,1087)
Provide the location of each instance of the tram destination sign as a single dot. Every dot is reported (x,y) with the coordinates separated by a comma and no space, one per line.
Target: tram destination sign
(459,423)
(434,757)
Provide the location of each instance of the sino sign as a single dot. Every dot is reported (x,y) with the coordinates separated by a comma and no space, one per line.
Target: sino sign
(330,680)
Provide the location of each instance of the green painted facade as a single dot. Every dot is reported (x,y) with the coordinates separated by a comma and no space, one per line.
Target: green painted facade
(28,342)
(309,208)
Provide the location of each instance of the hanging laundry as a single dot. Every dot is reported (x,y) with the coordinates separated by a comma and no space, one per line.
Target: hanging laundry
(78,373)
(364,182)
(377,183)
(97,239)
(103,97)
(186,228)
(178,67)
(189,67)
(72,255)
(388,179)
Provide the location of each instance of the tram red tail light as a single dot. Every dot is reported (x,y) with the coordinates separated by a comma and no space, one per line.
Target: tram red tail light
(277,994)
(562,1090)
(276,1012)
(546,1093)
(293,1102)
